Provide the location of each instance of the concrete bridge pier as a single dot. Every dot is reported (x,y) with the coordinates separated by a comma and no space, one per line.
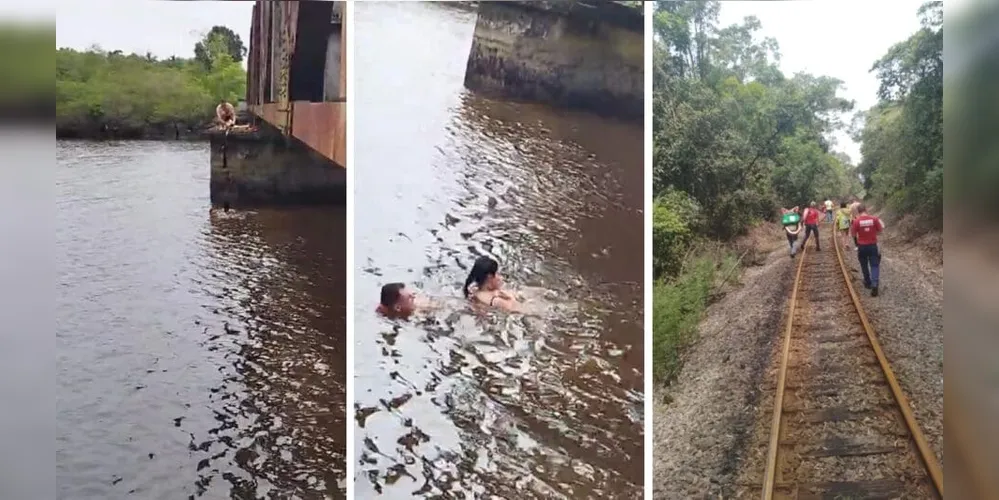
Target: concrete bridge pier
(264,167)
(578,54)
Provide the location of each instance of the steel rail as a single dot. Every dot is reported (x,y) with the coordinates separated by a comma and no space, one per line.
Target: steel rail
(929,459)
(769,481)
(925,453)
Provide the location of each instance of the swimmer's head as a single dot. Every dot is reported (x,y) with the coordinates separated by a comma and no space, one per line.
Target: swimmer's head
(485,275)
(396,300)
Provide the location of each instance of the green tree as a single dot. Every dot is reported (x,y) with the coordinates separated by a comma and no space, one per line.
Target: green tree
(902,135)
(729,129)
(138,95)
(231,42)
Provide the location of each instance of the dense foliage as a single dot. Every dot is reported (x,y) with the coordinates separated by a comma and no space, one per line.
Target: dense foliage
(100,93)
(730,130)
(233,46)
(902,136)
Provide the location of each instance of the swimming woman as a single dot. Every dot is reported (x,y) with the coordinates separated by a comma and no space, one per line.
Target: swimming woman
(489,285)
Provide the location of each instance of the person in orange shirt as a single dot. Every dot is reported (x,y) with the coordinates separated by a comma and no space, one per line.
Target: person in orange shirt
(865,229)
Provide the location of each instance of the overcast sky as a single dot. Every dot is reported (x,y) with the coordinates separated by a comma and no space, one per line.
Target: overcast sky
(161,27)
(824,37)
(841,39)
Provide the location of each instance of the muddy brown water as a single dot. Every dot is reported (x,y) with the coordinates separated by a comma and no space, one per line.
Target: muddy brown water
(199,353)
(459,404)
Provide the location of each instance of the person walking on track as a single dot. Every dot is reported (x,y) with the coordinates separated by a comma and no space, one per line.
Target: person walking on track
(829,210)
(865,230)
(843,220)
(811,218)
(854,203)
(790,219)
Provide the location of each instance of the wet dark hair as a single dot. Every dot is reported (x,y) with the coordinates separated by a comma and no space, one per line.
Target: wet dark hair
(483,268)
(842,204)
(391,293)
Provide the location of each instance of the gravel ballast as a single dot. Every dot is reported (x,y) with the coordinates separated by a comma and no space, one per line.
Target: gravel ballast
(907,316)
(705,426)
(702,423)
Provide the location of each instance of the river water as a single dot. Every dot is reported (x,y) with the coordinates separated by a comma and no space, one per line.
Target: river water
(547,405)
(199,353)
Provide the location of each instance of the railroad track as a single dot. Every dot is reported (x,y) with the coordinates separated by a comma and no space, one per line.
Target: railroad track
(842,428)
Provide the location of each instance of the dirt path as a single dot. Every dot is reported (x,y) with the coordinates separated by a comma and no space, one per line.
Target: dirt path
(704,425)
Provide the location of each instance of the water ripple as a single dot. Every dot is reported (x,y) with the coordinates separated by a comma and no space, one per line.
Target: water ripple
(466,404)
(200,353)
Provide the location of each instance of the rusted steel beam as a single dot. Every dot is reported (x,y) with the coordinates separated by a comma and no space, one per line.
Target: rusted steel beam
(343,53)
(319,125)
(288,22)
(253,58)
(322,126)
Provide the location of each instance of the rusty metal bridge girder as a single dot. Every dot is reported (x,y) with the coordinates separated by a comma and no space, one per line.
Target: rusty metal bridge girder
(274,40)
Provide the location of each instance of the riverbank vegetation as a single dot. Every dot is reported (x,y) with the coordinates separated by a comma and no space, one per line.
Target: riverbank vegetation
(108,94)
(902,135)
(734,139)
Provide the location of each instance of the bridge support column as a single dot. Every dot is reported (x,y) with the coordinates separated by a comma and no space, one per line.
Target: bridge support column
(262,167)
(574,54)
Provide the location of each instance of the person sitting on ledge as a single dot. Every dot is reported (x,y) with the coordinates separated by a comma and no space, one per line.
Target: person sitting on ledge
(225,114)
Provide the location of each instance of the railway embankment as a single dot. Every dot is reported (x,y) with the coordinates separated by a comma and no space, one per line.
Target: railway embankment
(706,419)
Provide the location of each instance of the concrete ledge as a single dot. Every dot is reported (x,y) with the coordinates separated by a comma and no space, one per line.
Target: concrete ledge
(263,168)
(564,54)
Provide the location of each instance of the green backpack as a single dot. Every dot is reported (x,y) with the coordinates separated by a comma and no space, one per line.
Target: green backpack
(790,219)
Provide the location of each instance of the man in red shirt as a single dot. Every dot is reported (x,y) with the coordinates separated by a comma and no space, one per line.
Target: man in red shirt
(865,229)
(811,219)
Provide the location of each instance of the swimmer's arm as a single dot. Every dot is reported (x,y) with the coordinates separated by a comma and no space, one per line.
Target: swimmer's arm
(507,303)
